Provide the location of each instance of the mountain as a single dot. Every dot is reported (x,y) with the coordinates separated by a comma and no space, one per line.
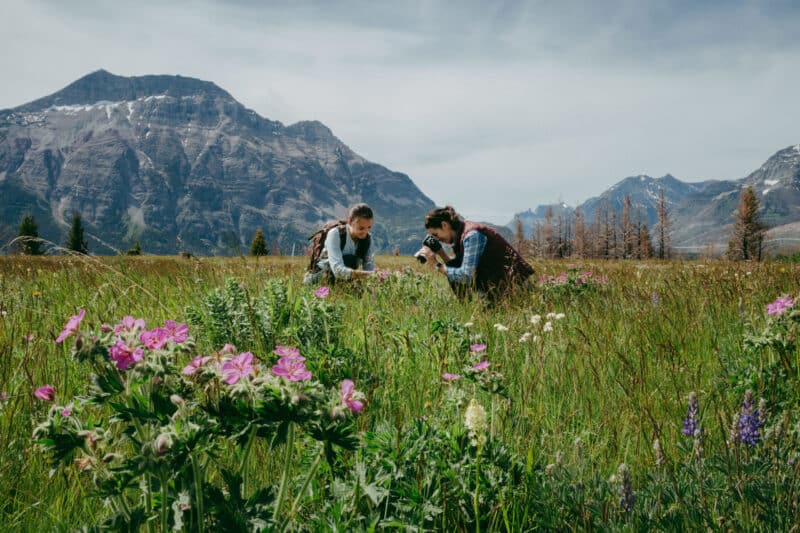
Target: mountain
(703,212)
(179,165)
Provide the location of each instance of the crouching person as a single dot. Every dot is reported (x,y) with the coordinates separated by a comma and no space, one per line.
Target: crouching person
(341,250)
(484,261)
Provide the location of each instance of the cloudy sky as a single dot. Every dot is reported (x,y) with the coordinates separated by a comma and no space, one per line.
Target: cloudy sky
(494,107)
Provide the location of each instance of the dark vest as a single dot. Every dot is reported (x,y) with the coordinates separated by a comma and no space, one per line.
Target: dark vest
(500,264)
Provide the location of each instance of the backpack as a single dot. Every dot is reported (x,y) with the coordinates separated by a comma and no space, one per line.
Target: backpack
(317,240)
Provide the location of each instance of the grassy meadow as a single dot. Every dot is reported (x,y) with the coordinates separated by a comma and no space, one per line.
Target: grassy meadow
(568,399)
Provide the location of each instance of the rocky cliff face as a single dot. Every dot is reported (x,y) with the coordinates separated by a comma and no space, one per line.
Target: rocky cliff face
(179,165)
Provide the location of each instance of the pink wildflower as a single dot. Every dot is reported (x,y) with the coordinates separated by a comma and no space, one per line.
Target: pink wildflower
(347,396)
(288,351)
(124,355)
(483,365)
(450,377)
(227,349)
(195,365)
(322,292)
(477,348)
(780,305)
(155,338)
(176,332)
(29,337)
(292,369)
(71,326)
(67,411)
(129,324)
(237,367)
(46,393)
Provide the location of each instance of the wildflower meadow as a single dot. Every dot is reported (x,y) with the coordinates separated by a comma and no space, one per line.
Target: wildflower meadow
(185,394)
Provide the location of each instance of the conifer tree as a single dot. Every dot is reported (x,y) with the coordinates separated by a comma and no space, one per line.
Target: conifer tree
(258,246)
(748,232)
(75,239)
(136,250)
(663,228)
(29,241)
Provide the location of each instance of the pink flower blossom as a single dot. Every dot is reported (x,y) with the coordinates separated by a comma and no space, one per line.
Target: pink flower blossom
(477,348)
(451,377)
(195,365)
(67,411)
(483,365)
(292,369)
(124,355)
(176,332)
(347,396)
(227,349)
(288,351)
(29,337)
(237,367)
(322,292)
(780,305)
(155,338)
(45,393)
(72,326)
(129,324)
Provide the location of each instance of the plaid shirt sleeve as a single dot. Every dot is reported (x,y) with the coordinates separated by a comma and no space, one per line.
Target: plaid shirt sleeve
(474,243)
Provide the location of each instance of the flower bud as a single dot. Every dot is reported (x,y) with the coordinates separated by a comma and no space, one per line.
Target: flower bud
(162,443)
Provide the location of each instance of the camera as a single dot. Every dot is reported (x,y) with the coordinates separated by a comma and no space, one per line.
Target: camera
(431,242)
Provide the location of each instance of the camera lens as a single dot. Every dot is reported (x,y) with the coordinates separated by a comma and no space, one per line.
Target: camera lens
(421,259)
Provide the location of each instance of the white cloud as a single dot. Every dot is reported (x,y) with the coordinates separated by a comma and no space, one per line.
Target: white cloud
(542,101)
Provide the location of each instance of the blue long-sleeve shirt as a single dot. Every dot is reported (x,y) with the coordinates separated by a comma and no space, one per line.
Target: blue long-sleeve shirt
(474,243)
(334,262)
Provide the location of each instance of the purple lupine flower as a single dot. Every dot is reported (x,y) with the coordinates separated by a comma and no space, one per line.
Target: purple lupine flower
(749,421)
(691,424)
(780,305)
(626,496)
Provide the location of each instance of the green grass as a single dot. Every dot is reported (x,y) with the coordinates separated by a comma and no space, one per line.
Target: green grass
(615,372)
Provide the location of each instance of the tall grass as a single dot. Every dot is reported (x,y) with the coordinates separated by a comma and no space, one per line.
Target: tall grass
(612,375)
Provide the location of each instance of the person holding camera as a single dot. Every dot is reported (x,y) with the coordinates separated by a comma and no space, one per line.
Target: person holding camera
(484,260)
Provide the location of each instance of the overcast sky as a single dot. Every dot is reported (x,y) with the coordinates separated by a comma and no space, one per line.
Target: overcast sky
(494,107)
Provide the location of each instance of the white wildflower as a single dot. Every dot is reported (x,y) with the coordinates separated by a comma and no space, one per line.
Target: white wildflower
(550,316)
(559,316)
(548,326)
(500,327)
(525,337)
(535,319)
(468,324)
(475,422)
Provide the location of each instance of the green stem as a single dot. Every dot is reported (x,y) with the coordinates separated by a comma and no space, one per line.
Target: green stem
(164,506)
(243,470)
(311,473)
(287,463)
(475,506)
(198,490)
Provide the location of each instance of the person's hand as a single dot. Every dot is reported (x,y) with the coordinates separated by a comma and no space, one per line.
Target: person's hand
(430,257)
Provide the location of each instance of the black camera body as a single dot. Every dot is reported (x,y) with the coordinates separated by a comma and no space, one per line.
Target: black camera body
(431,242)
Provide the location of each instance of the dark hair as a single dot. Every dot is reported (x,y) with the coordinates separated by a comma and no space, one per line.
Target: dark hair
(447,214)
(359,211)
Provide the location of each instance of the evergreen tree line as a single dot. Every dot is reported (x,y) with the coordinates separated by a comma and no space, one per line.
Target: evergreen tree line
(624,233)
(611,235)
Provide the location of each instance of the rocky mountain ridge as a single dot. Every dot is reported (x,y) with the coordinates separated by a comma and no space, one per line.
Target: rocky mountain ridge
(180,165)
(703,212)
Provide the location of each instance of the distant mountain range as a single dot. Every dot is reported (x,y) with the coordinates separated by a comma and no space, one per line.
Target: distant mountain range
(179,165)
(703,212)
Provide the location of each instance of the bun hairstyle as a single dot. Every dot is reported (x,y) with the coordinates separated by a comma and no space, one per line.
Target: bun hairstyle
(359,211)
(447,214)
